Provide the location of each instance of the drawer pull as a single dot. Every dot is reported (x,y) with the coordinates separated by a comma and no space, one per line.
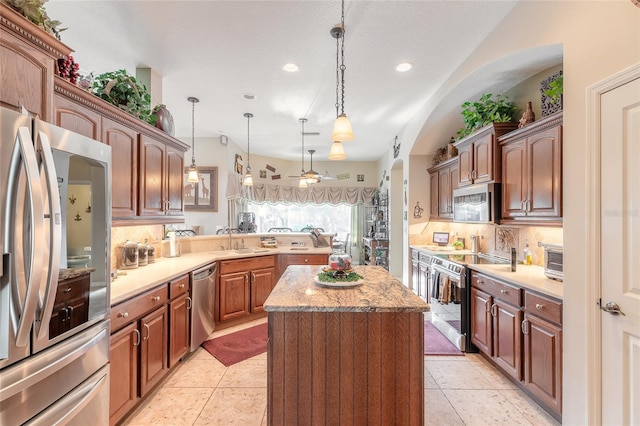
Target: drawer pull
(67,290)
(539,306)
(306,261)
(123,315)
(181,286)
(503,291)
(155,299)
(480,282)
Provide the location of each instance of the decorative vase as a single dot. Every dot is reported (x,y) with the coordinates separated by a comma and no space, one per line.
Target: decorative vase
(528,116)
(164,119)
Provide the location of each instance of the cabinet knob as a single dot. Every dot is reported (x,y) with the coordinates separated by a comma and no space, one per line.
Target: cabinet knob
(480,282)
(539,306)
(180,285)
(155,299)
(503,291)
(123,315)
(306,261)
(67,290)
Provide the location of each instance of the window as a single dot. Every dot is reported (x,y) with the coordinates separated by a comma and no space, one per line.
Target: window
(330,217)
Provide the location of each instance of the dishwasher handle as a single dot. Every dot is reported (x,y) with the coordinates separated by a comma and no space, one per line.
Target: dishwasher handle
(204,273)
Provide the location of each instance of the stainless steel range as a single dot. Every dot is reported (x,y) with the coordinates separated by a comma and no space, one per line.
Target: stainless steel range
(449,295)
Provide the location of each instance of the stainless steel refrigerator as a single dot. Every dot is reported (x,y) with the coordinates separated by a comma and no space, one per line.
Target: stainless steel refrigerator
(53,374)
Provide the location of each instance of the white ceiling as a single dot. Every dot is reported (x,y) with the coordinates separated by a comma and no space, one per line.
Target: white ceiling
(220,50)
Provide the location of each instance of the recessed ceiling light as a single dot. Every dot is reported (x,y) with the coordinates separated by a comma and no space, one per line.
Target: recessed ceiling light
(290,67)
(405,66)
(249,96)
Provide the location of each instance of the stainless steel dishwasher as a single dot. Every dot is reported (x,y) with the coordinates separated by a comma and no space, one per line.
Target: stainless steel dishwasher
(203,292)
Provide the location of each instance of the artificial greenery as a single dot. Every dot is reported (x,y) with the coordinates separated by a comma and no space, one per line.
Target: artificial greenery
(34,11)
(555,89)
(122,90)
(328,277)
(485,111)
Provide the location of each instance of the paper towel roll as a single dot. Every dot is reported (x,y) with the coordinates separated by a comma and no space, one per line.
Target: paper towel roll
(172,243)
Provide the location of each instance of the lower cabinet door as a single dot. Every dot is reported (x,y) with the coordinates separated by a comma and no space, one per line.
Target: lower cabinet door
(178,329)
(481,323)
(234,295)
(123,359)
(543,361)
(153,353)
(262,282)
(507,337)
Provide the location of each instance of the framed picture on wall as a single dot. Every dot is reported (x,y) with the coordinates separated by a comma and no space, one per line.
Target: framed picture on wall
(202,195)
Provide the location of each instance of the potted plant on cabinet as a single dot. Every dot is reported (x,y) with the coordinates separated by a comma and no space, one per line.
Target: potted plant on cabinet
(551,90)
(484,111)
(34,11)
(122,90)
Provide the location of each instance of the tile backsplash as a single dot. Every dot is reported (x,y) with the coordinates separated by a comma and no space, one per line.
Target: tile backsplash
(494,239)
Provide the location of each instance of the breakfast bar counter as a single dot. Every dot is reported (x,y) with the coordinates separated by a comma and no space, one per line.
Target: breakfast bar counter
(352,355)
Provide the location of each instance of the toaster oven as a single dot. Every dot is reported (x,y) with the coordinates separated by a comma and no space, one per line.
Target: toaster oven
(553,263)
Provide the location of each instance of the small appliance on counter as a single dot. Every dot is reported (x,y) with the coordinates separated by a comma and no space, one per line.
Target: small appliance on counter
(553,262)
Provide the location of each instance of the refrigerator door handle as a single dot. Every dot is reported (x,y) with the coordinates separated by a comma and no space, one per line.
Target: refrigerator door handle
(50,279)
(31,274)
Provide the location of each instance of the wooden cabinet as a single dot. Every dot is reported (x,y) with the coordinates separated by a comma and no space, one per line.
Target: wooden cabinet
(420,268)
(179,316)
(542,328)
(444,179)
(124,168)
(147,164)
(161,178)
(138,352)
(28,58)
(71,305)
(479,159)
(77,118)
(286,260)
(521,335)
(532,173)
(244,286)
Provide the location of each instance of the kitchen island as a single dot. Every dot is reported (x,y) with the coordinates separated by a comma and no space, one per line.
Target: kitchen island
(345,355)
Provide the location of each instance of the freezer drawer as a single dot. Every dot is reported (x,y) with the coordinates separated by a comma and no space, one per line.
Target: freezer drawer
(34,384)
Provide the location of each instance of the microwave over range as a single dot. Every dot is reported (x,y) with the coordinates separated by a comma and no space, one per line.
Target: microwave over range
(478,203)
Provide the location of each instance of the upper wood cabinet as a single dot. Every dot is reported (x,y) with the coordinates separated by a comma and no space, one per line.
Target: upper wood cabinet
(124,168)
(479,158)
(443,179)
(147,164)
(28,58)
(532,173)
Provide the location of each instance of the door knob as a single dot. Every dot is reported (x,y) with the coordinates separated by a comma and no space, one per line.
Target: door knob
(612,308)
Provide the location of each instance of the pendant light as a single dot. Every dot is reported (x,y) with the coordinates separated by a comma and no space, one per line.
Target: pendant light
(337,151)
(303,179)
(342,131)
(193,177)
(248,179)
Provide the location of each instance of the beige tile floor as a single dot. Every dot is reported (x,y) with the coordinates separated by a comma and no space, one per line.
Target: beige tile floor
(459,390)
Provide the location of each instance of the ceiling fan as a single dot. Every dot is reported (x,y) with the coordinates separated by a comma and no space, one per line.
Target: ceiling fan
(310,176)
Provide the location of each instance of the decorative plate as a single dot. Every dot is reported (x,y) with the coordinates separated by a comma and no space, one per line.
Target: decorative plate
(337,284)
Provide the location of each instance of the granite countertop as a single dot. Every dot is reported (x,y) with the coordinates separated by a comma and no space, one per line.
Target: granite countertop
(380,292)
(434,249)
(68,273)
(131,282)
(528,276)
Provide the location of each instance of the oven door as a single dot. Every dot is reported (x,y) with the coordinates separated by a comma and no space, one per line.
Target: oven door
(448,302)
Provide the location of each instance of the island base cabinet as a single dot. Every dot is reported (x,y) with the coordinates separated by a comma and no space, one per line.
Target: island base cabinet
(543,361)
(345,368)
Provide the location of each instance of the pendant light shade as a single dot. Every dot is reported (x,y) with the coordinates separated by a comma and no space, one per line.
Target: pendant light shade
(342,130)
(193,177)
(302,183)
(337,151)
(248,179)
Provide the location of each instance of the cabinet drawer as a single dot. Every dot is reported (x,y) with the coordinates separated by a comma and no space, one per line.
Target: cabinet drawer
(543,307)
(73,288)
(498,289)
(242,265)
(414,254)
(307,259)
(178,286)
(132,309)
(424,258)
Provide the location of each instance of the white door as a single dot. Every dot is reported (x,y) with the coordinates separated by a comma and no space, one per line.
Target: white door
(620,253)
